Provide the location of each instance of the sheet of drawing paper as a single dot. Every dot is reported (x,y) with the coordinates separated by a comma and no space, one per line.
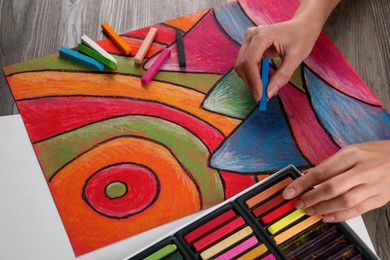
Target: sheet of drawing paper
(121,158)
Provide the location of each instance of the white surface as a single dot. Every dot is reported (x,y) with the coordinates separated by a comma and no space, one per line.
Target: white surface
(30,226)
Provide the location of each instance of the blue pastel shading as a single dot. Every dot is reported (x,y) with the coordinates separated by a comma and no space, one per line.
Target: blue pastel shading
(263,142)
(233,20)
(348,120)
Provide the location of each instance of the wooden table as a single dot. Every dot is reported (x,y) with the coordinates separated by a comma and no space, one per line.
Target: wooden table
(32,28)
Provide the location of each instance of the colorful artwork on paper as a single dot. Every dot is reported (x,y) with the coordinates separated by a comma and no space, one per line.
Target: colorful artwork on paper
(121,158)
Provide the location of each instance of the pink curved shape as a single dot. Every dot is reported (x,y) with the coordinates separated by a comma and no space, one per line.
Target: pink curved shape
(208,49)
(310,136)
(263,12)
(325,59)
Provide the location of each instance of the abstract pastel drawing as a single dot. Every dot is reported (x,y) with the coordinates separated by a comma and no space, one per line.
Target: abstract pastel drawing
(121,158)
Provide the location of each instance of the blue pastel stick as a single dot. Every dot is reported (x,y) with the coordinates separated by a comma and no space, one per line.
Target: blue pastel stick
(264,79)
(81,58)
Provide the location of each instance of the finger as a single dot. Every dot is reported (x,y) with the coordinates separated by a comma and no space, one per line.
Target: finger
(330,189)
(252,58)
(283,74)
(367,205)
(241,73)
(345,201)
(254,80)
(340,162)
(238,67)
(245,43)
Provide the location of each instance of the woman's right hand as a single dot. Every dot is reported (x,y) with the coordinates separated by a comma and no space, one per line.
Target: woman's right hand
(291,40)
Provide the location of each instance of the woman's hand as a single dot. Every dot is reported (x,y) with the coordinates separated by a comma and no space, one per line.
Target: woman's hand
(353,181)
(292,40)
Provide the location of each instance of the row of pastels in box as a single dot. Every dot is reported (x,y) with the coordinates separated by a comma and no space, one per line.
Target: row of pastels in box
(259,223)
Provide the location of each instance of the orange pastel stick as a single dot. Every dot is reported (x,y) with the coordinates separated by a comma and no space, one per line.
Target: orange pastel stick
(116,38)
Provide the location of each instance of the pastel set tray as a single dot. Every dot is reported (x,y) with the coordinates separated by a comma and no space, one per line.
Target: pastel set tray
(259,224)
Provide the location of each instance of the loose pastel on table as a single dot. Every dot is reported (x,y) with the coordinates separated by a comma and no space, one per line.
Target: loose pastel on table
(93,56)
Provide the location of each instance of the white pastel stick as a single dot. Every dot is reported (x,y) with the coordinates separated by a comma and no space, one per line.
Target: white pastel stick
(90,43)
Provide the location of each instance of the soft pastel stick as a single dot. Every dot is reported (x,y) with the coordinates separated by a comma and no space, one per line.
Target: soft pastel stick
(226,243)
(326,251)
(219,233)
(286,221)
(180,49)
(174,256)
(269,257)
(205,228)
(163,252)
(264,79)
(254,253)
(116,38)
(272,203)
(278,212)
(95,55)
(240,248)
(311,247)
(93,45)
(294,230)
(268,192)
(301,239)
(81,58)
(147,77)
(145,45)
(349,252)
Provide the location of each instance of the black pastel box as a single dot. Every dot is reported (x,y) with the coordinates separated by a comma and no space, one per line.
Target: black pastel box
(258,223)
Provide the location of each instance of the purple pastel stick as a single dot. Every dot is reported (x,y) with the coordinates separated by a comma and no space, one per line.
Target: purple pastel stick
(147,77)
(235,251)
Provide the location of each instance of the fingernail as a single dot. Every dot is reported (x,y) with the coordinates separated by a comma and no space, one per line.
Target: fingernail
(256,96)
(328,219)
(272,91)
(289,193)
(309,211)
(299,204)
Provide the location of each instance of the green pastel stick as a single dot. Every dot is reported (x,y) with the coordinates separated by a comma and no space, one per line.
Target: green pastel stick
(96,55)
(174,256)
(163,252)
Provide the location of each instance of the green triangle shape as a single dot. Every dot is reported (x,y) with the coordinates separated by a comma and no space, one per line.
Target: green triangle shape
(230,96)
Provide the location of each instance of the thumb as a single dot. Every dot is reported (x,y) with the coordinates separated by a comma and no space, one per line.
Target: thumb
(282,75)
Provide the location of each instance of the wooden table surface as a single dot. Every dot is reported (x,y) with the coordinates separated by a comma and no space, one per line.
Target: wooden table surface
(32,28)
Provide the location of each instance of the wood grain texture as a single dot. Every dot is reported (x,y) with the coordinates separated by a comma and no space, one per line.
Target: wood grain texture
(32,28)
(360,30)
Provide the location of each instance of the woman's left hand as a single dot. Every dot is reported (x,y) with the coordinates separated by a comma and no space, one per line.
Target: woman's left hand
(351,182)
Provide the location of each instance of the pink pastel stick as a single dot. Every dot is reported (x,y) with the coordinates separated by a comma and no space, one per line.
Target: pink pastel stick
(147,77)
(269,257)
(235,251)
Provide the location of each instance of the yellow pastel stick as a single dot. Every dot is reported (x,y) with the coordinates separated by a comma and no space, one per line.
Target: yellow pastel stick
(254,253)
(289,233)
(287,220)
(116,38)
(227,242)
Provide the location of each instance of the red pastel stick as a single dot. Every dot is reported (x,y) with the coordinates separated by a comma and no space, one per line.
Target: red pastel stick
(219,233)
(277,213)
(205,228)
(147,77)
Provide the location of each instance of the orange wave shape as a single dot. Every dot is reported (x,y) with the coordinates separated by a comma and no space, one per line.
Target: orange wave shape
(49,83)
